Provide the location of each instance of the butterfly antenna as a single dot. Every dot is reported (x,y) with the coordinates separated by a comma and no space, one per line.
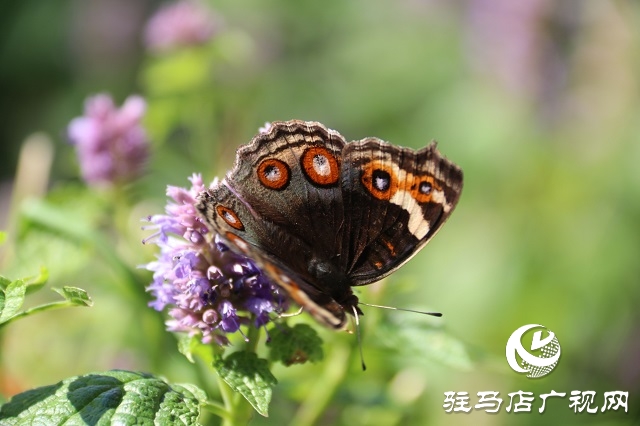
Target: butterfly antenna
(433,314)
(355,314)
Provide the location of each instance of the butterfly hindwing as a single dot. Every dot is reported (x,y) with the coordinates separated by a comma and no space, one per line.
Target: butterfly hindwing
(318,303)
(398,198)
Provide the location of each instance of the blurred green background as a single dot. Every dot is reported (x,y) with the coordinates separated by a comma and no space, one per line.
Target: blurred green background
(538,101)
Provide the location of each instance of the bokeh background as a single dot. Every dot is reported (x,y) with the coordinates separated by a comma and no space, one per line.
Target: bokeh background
(538,101)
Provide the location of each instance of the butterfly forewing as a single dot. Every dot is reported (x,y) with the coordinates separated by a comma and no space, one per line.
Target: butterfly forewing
(292,173)
(257,239)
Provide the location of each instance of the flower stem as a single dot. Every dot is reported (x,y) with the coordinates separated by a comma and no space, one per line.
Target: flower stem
(217,409)
(253,337)
(227,398)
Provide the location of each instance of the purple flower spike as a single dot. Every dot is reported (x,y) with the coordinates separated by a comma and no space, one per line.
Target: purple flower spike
(111,143)
(179,24)
(211,291)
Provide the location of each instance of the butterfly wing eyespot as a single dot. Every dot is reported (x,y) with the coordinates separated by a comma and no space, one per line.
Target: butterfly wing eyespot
(423,188)
(230,217)
(380,180)
(320,166)
(274,173)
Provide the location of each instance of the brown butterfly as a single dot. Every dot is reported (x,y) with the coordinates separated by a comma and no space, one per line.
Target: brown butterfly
(320,215)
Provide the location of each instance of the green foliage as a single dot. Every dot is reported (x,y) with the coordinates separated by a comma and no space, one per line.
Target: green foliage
(75,296)
(248,375)
(112,397)
(294,345)
(190,346)
(411,338)
(13,294)
(36,282)
(66,229)
(11,299)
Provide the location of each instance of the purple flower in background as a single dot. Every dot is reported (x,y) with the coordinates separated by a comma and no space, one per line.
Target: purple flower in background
(209,289)
(506,40)
(528,48)
(111,143)
(179,24)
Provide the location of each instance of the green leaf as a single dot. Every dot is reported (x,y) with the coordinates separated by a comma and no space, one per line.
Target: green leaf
(3,237)
(248,375)
(295,345)
(192,345)
(76,296)
(12,296)
(36,282)
(185,346)
(73,297)
(4,282)
(11,299)
(112,397)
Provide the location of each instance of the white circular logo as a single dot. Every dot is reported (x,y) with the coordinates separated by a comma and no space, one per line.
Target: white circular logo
(546,352)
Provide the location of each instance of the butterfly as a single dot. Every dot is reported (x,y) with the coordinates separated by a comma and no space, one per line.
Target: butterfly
(320,215)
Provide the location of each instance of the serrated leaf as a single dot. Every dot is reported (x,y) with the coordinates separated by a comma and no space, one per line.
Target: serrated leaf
(75,295)
(197,393)
(112,397)
(11,299)
(295,345)
(248,375)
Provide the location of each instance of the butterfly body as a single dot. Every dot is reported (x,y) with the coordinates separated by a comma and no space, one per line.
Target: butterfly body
(320,215)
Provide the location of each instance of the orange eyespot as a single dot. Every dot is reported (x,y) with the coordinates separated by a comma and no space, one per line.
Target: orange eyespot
(380,180)
(274,174)
(423,187)
(320,166)
(230,217)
